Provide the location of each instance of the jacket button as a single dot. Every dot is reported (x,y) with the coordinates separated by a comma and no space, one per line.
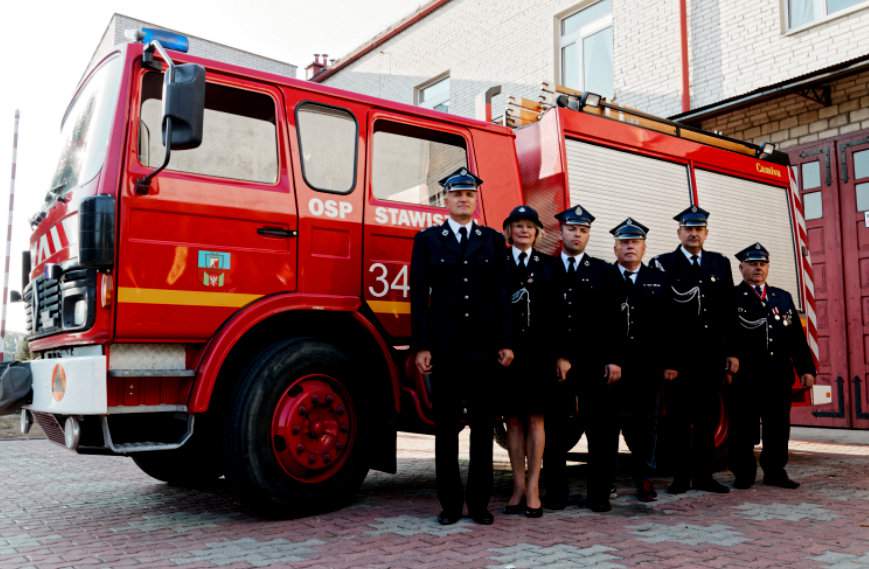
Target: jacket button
(706,325)
(467,297)
(465,262)
(570,315)
(465,279)
(467,315)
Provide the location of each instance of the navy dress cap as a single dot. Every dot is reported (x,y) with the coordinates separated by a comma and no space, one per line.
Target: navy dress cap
(461,179)
(756,252)
(692,217)
(521,212)
(575,215)
(629,229)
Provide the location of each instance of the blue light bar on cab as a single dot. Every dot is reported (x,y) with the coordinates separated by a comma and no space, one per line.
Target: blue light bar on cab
(169,40)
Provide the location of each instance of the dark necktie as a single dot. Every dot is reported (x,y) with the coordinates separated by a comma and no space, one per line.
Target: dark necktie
(695,261)
(759,290)
(571,266)
(522,267)
(628,279)
(463,239)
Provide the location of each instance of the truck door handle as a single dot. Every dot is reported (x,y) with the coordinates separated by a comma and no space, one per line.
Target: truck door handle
(277,232)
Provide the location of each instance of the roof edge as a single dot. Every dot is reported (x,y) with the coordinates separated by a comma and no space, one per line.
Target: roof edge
(381,39)
(761,94)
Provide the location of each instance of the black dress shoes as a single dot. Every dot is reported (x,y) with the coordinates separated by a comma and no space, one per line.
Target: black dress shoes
(743,483)
(711,485)
(534,512)
(679,486)
(484,518)
(600,506)
(782,482)
(447,519)
(514,509)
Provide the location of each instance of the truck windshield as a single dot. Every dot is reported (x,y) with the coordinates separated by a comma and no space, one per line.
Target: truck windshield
(86,128)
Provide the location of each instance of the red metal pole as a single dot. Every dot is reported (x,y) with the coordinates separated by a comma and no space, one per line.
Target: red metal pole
(686,78)
(9,237)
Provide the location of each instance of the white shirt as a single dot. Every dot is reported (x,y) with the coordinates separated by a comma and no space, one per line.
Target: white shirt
(517,251)
(762,288)
(633,277)
(455,226)
(565,257)
(688,254)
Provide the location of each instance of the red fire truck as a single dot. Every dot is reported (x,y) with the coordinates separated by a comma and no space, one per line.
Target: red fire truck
(218,279)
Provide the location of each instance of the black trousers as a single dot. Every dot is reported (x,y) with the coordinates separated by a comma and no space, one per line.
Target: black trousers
(457,384)
(597,412)
(638,409)
(599,409)
(694,403)
(560,410)
(759,412)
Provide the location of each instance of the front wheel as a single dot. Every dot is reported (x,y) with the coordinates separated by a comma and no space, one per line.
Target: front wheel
(297,431)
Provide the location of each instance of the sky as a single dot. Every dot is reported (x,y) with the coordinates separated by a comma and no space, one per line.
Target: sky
(46,46)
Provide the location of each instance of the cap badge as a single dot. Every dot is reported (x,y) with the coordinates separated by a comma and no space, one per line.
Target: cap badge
(757,245)
(693,209)
(578,210)
(521,210)
(629,221)
(463,171)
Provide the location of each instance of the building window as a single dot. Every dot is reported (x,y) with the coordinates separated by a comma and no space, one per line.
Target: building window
(809,176)
(327,139)
(434,94)
(239,137)
(586,49)
(803,12)
(407,162)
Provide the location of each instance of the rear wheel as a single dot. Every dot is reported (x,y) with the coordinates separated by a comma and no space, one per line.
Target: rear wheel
(297,430)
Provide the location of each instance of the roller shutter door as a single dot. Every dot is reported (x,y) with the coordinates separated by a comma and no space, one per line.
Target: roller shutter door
(743,212)
(613,185)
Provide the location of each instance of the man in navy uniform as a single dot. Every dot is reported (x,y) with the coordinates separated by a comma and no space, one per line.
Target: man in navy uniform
(587,342)
(772,347)
(705,317)
(460,315)
(647,306)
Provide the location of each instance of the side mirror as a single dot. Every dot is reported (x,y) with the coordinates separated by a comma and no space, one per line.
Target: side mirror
(183,106)
(15,296)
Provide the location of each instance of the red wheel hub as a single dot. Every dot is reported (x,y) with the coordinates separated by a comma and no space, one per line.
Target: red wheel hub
(313,428)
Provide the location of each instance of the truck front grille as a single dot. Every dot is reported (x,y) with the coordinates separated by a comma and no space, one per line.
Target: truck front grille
(49,304)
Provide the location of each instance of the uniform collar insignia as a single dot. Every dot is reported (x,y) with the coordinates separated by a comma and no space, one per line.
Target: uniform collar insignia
(445,232)
(478,232)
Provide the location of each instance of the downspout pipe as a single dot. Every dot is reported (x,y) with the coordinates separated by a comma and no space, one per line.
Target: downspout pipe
(683,33)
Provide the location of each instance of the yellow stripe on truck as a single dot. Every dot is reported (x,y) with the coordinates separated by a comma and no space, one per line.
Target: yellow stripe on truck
(129,295)
(389,307)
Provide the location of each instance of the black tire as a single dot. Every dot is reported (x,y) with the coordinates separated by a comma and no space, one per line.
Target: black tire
(198,463)
(261,465)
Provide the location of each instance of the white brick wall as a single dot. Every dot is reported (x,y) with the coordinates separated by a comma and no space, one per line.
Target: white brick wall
(735,46)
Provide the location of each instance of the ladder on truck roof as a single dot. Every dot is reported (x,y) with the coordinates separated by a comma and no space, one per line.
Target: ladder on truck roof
(521,112)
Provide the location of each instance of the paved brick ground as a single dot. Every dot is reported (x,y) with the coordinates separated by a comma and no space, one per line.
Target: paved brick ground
(62,510)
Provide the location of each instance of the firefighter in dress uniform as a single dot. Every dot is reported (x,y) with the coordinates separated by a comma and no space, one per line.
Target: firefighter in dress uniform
(772,347)
(460,315)
(529,274)
(587,340)
(646,302)
(705,317)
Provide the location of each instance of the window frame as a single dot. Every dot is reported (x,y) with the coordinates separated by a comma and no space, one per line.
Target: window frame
(577,37)
(215,80)
(419,89)
(400,120)
(826,17)
(314,103)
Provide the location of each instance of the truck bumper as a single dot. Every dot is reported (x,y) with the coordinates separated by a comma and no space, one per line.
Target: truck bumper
(69,386)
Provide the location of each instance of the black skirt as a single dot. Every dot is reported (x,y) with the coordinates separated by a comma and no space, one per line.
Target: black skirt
(526,384)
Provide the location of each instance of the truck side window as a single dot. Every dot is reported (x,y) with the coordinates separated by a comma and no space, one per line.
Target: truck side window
(327,139)
(408,161)
(239,139)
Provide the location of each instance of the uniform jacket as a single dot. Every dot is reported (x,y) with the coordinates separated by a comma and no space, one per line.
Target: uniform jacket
(647,309)
(587,328)
(531,297)
(459,304)
(771,339)
(704,309)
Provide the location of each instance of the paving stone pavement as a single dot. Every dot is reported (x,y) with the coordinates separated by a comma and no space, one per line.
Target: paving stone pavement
(62,510)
